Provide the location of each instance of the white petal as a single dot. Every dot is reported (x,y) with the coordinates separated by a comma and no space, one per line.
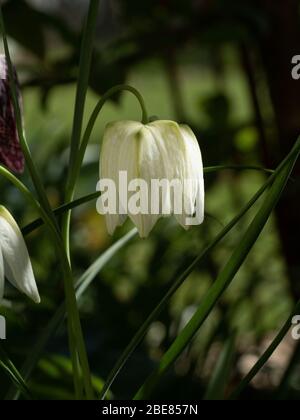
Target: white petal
(161,150)
(18,269)
(171,148)
(182,160)
(127,147)
(150,167)
(115,136)
(194,172)
(169,144)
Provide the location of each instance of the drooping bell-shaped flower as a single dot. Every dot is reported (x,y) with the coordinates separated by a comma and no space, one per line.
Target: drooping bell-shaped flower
(11,154)
(15,263)
(156,169)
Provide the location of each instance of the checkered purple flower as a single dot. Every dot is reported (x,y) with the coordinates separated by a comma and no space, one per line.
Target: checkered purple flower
(11,154)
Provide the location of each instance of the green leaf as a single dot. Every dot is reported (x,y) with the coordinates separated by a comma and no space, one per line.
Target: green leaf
(93,196)
(12,372)
(220,377)
(59,211)
(289,376)
(58,371)
(86,51)
(138,337)
(225,277)
(57,319)
(212,169)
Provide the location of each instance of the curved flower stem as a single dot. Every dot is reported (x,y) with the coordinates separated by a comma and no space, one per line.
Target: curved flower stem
(44,207)
(75,168)
(87,134)
(86,51)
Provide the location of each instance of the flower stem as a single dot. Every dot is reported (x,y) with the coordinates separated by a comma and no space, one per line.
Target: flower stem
(86,51)
(87,134)
(75,167)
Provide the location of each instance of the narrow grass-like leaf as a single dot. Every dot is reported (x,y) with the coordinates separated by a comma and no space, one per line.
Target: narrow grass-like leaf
(267,354)
(138,337)
(212,169)
(224,279)
(57,319)
(60,210)
(221,374)
(285,385)
(75,331)
(83,283)
(14,375)
(86,50)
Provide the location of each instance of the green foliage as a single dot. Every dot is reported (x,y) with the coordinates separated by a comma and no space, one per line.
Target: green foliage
(142,302)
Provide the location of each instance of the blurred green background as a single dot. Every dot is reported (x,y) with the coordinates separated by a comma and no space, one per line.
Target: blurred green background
(224,67)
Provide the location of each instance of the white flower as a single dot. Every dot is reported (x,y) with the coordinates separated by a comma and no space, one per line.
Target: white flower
(160,150)
(15,263)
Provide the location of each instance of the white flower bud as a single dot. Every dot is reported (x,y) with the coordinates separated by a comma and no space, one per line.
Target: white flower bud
(161,153)
(15,263)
